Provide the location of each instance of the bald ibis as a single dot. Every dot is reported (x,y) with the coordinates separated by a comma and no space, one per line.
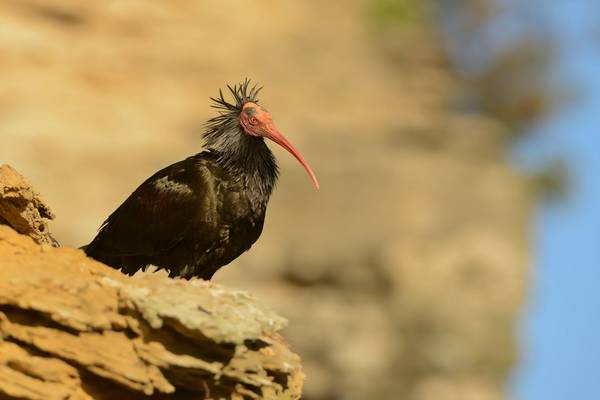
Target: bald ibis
(197,215)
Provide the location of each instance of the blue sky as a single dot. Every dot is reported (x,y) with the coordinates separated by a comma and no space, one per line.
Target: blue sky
(560,330)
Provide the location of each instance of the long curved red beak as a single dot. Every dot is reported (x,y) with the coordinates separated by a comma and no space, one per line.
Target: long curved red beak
(276,136)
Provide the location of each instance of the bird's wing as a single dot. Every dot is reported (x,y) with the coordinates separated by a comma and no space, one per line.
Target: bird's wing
(156,216)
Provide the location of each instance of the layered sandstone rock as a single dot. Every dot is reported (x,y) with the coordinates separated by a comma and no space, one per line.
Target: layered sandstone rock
(22,208)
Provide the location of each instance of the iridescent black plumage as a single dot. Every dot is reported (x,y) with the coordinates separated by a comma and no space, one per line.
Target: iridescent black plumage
(197,215)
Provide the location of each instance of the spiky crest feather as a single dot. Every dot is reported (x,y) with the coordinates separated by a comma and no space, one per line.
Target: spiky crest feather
(248,155)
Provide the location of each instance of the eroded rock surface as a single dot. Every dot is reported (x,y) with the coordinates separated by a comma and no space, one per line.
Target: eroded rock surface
(74,328)
(22,208)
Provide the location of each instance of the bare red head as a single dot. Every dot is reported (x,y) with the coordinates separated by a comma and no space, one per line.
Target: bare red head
(256,121)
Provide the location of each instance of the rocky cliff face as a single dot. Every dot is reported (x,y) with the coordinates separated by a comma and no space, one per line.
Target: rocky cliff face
(72,328)
(401,278)
(22,209)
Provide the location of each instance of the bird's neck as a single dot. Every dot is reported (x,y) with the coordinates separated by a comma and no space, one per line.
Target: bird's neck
(249,160)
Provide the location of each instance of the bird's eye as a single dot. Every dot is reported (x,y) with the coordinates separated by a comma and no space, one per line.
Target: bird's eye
(253,121)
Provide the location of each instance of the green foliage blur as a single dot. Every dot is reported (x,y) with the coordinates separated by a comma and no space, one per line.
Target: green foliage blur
(395,12)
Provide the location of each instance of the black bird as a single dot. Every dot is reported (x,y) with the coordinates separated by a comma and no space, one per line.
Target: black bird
(197,215)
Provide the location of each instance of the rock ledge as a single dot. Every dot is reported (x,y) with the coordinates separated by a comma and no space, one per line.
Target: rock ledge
(73,328)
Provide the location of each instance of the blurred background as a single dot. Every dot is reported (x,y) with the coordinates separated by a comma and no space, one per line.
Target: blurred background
(452,252)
